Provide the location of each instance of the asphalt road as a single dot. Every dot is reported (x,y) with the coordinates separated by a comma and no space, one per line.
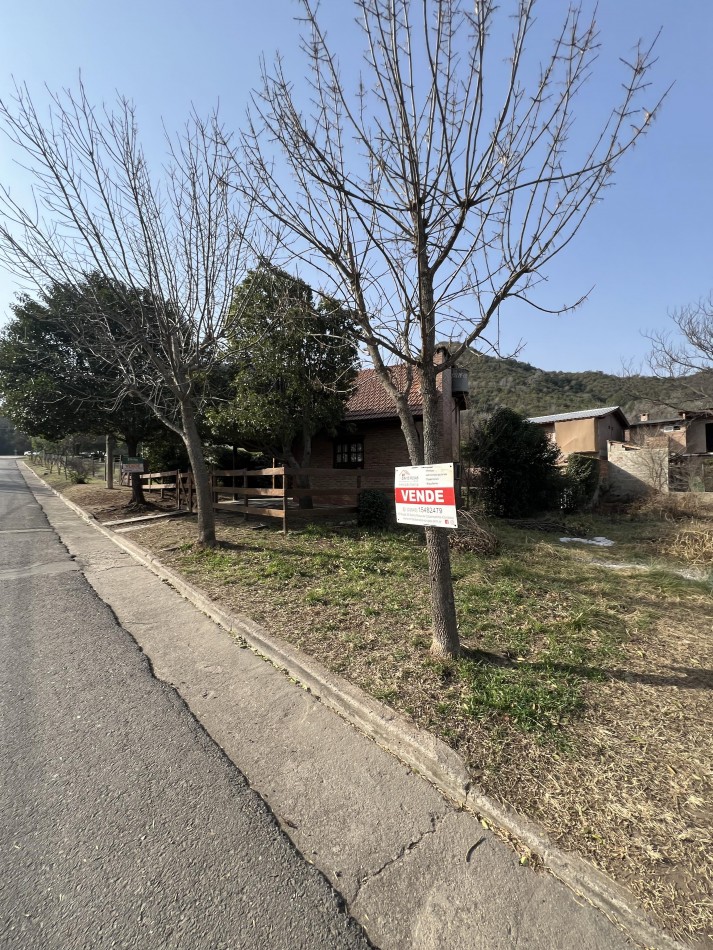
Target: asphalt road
(122,824)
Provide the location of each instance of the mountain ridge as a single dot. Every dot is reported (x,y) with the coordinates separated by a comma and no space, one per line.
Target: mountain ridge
(495,382)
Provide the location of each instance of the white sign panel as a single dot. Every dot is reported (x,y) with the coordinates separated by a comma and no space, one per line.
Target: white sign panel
(425,495)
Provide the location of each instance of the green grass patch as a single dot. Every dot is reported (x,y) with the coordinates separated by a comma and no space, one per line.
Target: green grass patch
(539,624)
(537,698)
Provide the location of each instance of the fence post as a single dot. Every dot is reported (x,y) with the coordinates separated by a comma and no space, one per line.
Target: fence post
(284,499)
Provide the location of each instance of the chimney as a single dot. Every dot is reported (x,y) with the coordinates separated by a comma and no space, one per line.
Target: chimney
(643,417)
(441,353)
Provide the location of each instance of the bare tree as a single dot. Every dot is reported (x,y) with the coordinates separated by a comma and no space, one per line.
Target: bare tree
(171,245)
(686,354)
(439,189)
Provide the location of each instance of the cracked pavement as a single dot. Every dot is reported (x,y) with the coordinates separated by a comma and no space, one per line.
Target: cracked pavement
(415,871)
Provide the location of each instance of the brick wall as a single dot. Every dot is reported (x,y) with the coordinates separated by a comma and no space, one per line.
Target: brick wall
(633,471)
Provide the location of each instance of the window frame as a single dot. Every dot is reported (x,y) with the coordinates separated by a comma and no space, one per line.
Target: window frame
(353,448)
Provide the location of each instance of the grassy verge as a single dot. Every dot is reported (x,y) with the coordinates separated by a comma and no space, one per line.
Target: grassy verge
(91,493)
(61,482)
(583,696)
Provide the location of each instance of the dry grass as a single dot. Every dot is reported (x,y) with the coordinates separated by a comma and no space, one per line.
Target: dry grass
(472,535)
(691,546)
(105,504)
(672,506)
(583,697)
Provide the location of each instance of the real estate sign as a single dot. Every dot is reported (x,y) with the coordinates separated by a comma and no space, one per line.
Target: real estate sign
(131,463)
(425,495)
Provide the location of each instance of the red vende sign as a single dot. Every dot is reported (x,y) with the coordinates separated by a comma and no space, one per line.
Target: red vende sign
(426,496)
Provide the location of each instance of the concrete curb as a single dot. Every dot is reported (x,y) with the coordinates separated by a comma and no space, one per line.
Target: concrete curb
(421,751)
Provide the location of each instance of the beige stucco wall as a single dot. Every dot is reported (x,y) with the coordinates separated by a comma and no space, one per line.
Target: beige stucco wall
(690,438)
(576,435)
(678,438)
(609,429)
(586,435)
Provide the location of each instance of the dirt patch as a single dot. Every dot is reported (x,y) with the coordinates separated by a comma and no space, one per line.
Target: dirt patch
(108,504)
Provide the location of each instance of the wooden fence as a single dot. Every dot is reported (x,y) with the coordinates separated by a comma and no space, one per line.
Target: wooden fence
(292,496)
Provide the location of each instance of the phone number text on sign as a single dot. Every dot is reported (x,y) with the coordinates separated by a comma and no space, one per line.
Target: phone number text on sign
(425,495)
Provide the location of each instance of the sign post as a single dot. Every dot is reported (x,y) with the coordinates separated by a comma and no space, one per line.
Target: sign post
(425,495)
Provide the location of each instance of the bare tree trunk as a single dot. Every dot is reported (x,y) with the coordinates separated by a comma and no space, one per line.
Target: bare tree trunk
(201,479)
(137,487)
(154,259)
(303,481)
(445,625)
(109,461)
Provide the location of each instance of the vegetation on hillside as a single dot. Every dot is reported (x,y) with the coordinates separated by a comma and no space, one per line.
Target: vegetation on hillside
(536,392)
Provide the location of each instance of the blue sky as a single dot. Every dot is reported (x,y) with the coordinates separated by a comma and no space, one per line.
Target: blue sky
(645,250)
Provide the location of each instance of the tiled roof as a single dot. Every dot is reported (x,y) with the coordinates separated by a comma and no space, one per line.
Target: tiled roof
(581,414)
(371,401)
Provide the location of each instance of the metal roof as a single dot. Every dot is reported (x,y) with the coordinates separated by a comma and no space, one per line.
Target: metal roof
(581,414)
(660,422)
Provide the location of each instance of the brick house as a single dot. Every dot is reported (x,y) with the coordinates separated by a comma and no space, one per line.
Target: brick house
(586,431)
(370,437)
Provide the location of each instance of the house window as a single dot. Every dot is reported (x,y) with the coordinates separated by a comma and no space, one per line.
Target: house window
(349,453)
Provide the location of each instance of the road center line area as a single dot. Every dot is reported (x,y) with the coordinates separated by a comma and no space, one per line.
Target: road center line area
(25,530)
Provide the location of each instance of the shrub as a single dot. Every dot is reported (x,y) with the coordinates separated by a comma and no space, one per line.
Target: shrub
(374,510)
(581,479)
(517,463)
(77,473)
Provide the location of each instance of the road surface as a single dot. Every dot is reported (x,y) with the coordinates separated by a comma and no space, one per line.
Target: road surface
(122,824)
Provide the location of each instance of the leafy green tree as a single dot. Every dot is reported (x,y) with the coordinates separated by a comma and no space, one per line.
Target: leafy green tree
(517,464)
(51,386)
(12,441)
(290,365)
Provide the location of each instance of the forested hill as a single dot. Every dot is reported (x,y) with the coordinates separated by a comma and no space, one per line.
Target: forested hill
(536,392)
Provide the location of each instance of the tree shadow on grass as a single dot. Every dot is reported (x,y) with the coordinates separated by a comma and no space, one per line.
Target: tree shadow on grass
(683,677)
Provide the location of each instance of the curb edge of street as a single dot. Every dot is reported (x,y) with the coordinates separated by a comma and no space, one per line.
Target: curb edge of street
(421,751)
